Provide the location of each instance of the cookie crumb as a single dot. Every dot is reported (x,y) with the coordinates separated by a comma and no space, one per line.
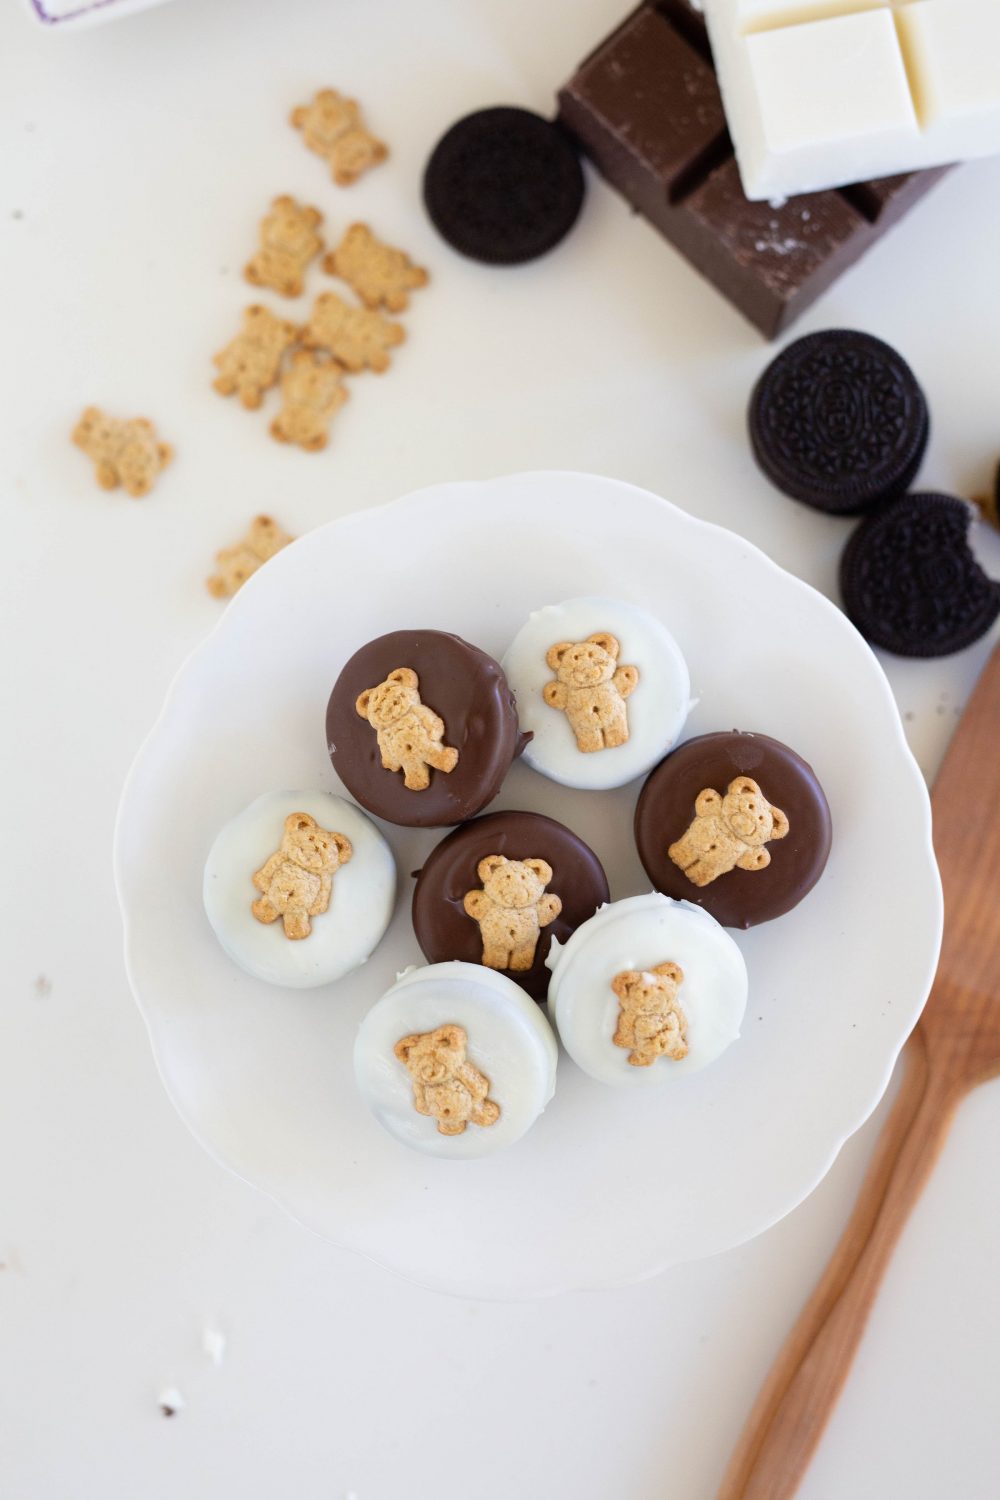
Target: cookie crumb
(43,986)
(213,1341)
(171,1402)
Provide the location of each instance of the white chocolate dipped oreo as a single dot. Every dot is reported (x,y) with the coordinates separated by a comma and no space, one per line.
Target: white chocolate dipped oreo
(299,888)
(602,687)
(646,990)
(455,1060)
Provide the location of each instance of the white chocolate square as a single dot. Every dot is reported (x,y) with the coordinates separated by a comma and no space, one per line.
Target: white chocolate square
(807,120)
(821,93)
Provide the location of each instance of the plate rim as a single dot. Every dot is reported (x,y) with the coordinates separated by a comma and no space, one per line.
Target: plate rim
(240,602)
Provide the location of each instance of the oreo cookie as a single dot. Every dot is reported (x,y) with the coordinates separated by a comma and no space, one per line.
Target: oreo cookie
(910,582)
(503,185)
(839,421)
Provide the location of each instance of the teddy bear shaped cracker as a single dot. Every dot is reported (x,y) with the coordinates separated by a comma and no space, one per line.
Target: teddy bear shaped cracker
(125,453)
(297,881)
(511,909)
(312,390)
(288,242)
(728,832)
(234,565)
(410,734)
(591,688)
(651,1021)
(445,1084)
(380,274)
(332,127)
(358,337)
(250,363)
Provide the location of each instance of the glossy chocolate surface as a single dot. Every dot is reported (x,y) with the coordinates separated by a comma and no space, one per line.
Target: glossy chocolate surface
(645,107)
(740,898)
(460,683)
(445,931)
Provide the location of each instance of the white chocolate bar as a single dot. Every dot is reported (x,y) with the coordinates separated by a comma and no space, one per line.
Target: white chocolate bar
(821,93)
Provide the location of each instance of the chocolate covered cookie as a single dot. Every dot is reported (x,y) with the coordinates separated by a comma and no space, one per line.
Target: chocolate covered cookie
(839,421)
(736,823)
(455,1061)
(603,688)
(647,991)
(497,892)
(910,582)
(421,728)
(503,185)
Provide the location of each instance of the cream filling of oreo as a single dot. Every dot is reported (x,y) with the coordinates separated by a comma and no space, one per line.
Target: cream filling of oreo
(342,937)
(508,1040)
(656,708)
(641,933)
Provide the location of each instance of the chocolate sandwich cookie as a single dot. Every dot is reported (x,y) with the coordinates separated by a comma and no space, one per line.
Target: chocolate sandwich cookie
(421,728)
(910,582)
(503,185)
(839,421)
(736,823)
(497,891)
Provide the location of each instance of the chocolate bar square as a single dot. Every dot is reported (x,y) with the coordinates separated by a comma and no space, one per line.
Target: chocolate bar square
(645,107)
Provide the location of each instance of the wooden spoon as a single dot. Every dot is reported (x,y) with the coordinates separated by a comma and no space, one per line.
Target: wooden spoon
(956,1045)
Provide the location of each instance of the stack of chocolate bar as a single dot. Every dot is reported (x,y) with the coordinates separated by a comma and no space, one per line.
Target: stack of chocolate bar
(645,106)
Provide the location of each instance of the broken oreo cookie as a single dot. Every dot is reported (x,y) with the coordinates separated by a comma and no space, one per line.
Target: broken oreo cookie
(839,421)
(503,185)
(910,582)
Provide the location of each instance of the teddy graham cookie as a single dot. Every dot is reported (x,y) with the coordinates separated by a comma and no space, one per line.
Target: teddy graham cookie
(250,363)
(299,888)
(455,1061)
(381,275)
(234,565)
(288,242)
(332,126)
(736,823)
(646,991)
(126,453)
(422,728)
(312,392)
(499,890)
(602,687)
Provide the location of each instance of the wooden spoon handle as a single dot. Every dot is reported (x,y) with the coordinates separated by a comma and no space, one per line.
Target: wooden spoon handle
(798,1396)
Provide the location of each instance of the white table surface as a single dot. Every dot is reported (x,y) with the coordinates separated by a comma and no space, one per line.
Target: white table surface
(135,160)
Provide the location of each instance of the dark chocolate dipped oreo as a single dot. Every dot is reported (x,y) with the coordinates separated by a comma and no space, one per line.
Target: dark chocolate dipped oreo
(910,582)
(503,185)
(446,930)
(696,817)
(839,421)
(435,702)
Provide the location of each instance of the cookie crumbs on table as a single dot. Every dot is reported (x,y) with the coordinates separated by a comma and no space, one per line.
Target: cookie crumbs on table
(125,452)
(359,338)
(332,126)
(288,242)
(379,273)
(250,363)
(234,565)
(312,390)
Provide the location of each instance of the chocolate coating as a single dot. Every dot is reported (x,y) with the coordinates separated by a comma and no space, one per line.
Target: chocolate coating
(741,898)
(839,421)
(910,582)
(460,683)
(443,928)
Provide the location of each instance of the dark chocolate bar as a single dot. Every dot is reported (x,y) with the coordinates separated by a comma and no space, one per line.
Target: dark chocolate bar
(645,107)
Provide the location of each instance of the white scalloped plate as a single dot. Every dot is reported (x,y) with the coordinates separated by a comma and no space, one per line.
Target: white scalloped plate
(609,1186)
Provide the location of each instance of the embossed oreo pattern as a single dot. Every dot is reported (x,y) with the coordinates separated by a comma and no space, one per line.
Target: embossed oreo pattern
(839,421)
(910,582)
